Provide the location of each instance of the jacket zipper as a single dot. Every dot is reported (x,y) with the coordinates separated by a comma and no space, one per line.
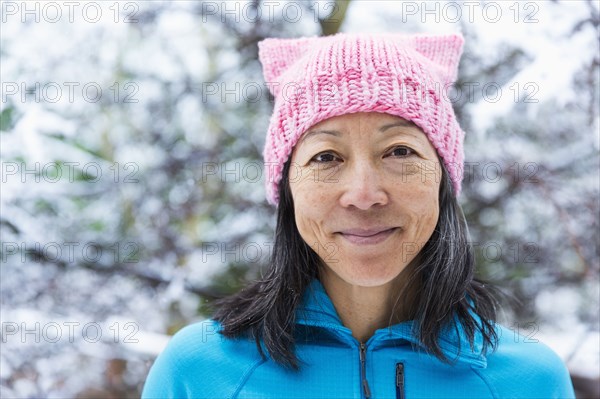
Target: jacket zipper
(399,380)
(363,371)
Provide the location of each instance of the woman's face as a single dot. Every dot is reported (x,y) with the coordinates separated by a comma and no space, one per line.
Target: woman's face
(365,189)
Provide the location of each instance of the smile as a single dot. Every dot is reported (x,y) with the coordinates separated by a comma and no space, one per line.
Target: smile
(367,237)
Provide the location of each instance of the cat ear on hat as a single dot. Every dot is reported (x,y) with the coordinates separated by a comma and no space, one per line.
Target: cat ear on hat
(443,51)
(278,55)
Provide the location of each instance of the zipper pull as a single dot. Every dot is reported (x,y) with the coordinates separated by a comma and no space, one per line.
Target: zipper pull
(399,380)
(365,383)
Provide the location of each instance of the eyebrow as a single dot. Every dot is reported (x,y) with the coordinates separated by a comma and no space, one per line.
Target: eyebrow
(337,133)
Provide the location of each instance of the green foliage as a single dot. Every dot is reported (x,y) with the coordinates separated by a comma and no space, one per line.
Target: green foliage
(7,119)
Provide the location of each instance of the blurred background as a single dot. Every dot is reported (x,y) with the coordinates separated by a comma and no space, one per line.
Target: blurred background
(132,191)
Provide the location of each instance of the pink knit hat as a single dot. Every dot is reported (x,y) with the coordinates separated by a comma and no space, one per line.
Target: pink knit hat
(316,78)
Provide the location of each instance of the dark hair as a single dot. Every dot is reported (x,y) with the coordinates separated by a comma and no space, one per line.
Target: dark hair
(265,309)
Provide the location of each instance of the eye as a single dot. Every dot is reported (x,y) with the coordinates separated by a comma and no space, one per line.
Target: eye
(324,157)
(402,151)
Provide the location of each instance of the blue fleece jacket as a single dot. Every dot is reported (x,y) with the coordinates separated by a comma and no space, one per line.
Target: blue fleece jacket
(200,363)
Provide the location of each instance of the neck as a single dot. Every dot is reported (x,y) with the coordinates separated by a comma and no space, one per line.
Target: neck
(367,309)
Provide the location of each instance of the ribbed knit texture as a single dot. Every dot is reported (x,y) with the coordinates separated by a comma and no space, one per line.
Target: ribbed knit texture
(316,78)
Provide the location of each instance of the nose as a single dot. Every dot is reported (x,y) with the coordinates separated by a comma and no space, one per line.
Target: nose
(363,187)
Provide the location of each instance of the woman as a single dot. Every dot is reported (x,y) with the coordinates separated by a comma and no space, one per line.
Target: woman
(370,291)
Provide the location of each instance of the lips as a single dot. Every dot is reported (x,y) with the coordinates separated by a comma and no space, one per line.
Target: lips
(367,236)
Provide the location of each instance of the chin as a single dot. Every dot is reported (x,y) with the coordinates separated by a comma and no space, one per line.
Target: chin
(368,276)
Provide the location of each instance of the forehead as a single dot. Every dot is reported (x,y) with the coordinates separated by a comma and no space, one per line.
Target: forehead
(362,118)
(338,126)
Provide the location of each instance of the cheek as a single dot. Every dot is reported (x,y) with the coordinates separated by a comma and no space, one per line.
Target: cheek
(305,196)
(421,201)
(312,201)
(429,218)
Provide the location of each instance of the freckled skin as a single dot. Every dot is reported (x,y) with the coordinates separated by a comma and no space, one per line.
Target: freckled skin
(363,182)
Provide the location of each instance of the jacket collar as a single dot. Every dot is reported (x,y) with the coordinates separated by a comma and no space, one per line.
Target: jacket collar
(317,310)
